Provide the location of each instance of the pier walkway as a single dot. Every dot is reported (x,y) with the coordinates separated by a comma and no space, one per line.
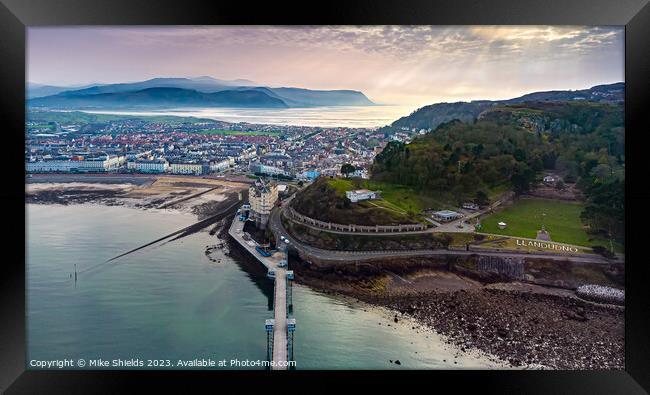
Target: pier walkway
(280,329)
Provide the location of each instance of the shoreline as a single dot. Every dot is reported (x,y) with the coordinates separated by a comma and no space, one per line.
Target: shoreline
(460,358)
(510,327)
(189,194)
(521,325)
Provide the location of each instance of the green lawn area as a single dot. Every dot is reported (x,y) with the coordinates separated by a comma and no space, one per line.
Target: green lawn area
(341,185)
(511,244)
(395,202)
(400,196)
(406,198)
(524,218)
(394,196)
(497,190)
(240,132)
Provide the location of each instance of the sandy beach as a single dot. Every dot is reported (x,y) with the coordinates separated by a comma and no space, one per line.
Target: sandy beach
(196,195)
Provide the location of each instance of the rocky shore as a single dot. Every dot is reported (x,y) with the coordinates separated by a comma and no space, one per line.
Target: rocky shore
(79,195)
(522,325)
(525,329)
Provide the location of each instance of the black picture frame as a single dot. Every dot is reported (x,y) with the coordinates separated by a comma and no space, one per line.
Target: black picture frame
(16,15)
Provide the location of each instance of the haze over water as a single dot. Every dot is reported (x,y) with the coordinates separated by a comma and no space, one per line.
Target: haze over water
(169,301)
(340,116)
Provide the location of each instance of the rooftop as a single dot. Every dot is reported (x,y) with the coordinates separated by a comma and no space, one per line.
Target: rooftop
(359,191)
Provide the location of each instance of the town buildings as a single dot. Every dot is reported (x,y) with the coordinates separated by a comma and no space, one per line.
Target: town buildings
(143,146)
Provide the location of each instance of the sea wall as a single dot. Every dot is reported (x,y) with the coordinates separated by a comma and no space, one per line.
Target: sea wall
(294,216)
(486,269)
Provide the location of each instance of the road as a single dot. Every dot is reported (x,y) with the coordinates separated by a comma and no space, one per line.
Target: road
(460,225)
(278,229)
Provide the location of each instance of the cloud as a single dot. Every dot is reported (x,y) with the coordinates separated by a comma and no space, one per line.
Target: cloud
(383,61)
(396,41)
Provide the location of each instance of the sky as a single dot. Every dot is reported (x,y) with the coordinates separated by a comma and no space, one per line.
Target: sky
(401,65)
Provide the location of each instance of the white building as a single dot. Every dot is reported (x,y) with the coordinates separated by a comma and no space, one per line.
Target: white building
(186,168)
(262,196)
(550,179)
(222,165)
(363,173)
(49,166)
(99,164)
(151,166)
(361,194)
(268,170)
(446,215)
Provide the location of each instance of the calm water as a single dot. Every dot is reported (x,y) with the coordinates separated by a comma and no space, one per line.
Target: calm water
(170,301)
(347,116)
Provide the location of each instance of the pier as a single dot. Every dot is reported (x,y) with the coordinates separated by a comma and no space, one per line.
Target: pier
(280,328)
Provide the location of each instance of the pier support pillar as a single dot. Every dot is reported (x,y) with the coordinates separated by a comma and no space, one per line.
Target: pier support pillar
(269,339)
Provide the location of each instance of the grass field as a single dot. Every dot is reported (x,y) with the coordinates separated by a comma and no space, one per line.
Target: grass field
(497,190)
(525,217)
(240,133)
(392,203)
(341,185)
(394,196)
(511,245)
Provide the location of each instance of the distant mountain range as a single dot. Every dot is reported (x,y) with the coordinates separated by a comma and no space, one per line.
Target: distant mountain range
(195,92)
(40,90)
(429,117)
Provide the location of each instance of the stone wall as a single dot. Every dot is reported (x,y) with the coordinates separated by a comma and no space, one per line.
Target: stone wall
(297,217)
(510,267)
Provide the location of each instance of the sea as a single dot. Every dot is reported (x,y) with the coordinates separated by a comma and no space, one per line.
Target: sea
(332,116)
(169,302)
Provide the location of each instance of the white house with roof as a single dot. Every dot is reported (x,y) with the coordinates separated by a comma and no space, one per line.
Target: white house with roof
(361,194)
(551,179)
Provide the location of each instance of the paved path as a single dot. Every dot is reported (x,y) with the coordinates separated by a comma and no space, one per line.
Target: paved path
(280,315)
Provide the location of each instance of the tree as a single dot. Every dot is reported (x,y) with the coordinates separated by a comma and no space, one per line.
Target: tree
(521,179)
(481,198)
(559,185)
(347,169)
(571,178)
